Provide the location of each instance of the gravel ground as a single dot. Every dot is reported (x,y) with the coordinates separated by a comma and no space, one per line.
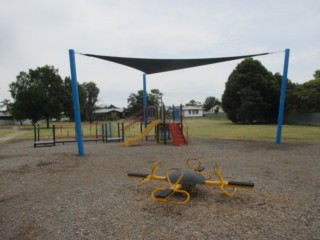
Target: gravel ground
(51,193)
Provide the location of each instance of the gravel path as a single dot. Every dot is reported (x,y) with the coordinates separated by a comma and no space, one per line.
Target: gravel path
(51,193)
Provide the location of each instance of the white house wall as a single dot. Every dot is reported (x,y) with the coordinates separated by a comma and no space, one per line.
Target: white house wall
(193,113)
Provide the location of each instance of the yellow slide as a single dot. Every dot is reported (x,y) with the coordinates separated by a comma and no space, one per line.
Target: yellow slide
(145,133)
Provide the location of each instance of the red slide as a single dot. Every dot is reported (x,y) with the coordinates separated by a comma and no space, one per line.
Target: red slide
(177,134)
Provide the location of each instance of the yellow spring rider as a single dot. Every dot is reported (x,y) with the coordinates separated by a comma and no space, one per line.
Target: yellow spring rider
(181,179)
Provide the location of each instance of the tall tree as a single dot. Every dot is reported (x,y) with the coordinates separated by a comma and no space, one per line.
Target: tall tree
(193,103)
(304,98)
(68,99)
(37,94)
(209,103)
(155,98)
(135,101)
(251,93)
(290,100)
(316,74)
(7,105)
(91,98)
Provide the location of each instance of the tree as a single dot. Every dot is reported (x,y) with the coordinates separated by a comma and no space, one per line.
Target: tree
(209,103)
(68,99)
(316,74)
(91,98)
(37,94)
(7,105)
(193,103)
(251,93)
(135,101)
(304,98)
(310,96)
(88,97)
(155,98)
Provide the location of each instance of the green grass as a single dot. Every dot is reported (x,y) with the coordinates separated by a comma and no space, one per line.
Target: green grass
(202,128)
(5,131)
(9,129)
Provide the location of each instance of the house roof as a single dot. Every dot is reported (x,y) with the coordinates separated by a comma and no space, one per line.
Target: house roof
(2,114)
(107,110)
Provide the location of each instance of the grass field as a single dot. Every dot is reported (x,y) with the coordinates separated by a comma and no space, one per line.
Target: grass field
(205,128)
(5,131)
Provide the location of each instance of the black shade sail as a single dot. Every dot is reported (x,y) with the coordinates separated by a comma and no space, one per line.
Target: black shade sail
(150,66)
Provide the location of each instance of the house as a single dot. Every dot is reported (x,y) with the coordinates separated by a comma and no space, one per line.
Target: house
(216,112)
(6,119)
(216,109)
(192,111)
(108,114)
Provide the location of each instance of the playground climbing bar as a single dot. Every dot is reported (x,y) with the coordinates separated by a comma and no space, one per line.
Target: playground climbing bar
(66,133)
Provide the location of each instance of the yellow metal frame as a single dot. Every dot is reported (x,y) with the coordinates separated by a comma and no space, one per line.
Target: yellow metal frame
(193,164)
(153,175)
(176,187)
(190,163)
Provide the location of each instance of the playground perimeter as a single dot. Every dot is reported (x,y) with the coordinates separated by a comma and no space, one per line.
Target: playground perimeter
(51,193)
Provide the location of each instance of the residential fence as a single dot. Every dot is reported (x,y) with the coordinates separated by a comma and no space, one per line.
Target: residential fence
(302,118)
(216,116)
(290,118)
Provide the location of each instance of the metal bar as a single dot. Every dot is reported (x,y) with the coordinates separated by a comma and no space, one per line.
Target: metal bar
(145,102)
(164,125)
(96,130)
(35,134)
(54,134)
(226,183)
(118,130)
(122,132)
(106,132)
(283,95)
(38,133)
(76,103)
(102,131)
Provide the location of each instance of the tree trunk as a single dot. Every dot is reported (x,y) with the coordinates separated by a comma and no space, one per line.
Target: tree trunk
(48,122)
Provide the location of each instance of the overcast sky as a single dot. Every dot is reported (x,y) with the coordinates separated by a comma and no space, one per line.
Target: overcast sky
(35,33)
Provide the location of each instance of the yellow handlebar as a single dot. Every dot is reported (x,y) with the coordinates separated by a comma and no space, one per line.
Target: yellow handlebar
(199,169)
(223,183)
(153,175)
(166,194)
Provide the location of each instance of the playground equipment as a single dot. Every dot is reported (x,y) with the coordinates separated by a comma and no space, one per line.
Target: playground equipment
(113,132)
(144,134)
(181,179)
(66,133)
(169,126)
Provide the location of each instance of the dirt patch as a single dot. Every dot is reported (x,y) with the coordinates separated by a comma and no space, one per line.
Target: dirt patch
(51,193)
(12,136)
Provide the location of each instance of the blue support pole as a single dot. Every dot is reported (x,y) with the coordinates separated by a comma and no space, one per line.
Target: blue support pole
(145,104)
(76,103)
(283,95)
